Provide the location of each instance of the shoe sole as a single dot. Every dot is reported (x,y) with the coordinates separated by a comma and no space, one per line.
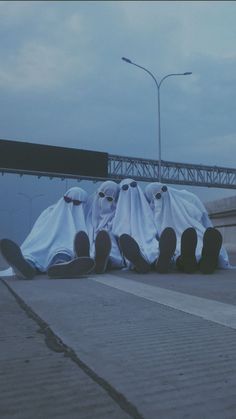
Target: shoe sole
(212,242)
(131,251)
(167,246)
(72,269)
(81,244)
(188,249)
(13,256)
(102,251)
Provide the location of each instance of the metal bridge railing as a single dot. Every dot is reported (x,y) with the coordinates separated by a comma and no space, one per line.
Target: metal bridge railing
(120,167)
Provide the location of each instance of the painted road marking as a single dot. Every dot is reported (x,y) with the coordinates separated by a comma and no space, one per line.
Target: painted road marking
(221,313)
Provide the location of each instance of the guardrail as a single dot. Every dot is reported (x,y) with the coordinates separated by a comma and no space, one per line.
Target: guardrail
(120,167)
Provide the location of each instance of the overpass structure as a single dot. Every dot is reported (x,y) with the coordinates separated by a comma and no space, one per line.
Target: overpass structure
(44,160)
(120,167)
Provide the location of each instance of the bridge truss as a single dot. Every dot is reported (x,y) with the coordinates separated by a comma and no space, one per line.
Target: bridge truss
(121,167)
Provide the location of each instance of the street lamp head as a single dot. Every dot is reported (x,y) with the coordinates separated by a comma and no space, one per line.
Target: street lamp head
(188,73)
(127,60)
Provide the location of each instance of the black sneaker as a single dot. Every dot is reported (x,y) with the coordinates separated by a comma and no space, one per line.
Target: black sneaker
(187,260)
(13,255)
(72,269)
(167,245)
(102,251)
(212,242)
(131,251)
(81,244)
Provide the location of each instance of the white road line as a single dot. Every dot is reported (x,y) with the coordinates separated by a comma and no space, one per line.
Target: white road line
(221,313)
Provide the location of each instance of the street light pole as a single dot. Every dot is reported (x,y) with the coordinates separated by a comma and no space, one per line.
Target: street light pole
(30,200)
(158,85)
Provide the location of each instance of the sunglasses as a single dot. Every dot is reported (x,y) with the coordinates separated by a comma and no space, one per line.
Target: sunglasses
(126,186)
(102,195)
(158,194)
(75,201)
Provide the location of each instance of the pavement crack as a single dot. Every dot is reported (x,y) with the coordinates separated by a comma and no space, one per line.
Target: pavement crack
(55,344)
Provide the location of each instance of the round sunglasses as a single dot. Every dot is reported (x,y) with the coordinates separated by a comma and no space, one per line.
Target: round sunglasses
(125,187)
(102,195)
(158,194)
(68,200)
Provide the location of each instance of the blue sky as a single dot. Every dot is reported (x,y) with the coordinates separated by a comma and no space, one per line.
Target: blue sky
(62,80)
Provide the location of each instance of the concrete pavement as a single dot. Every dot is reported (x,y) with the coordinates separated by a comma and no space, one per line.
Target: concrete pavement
(119,345)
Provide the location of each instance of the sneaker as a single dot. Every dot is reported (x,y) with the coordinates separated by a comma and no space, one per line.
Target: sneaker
(81,244)
(102,251)
(131,251)
(13,256)
(187,260)
(167,245)
(72,269)
(212,242)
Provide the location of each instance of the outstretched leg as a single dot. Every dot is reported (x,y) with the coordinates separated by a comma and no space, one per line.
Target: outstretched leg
(131,251)
(187,261)
(102,251)
(212,242)
(14,257)
(81,244)
(72,269)
(167,245)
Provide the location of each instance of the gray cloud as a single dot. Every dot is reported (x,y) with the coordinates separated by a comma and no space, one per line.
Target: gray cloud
(62,81)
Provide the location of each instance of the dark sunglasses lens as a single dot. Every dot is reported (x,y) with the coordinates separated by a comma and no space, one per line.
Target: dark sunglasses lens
(158,195)
(109,198)
(101,194)
(125,187)
(164,188)
(133,184)
(67,199)
(76,202)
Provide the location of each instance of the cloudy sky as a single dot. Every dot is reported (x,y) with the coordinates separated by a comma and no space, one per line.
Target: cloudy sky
(62,80)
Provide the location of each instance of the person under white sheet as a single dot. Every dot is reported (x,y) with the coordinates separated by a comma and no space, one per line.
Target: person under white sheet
(134,217)
(180,210)
(100,212)
(51,239)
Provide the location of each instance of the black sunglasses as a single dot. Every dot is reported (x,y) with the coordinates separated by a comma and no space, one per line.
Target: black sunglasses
(102,195)
(126,186)
(75,201)
(158,194)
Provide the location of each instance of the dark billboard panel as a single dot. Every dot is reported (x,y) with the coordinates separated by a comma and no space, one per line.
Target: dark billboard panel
(50,159)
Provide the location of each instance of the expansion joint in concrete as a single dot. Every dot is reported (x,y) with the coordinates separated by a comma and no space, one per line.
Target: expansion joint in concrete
(55,344)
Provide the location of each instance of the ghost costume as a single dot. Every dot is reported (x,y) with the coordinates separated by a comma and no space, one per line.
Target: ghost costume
(51,238)
(134,217)
(180,210)
(54,231)
(100,211)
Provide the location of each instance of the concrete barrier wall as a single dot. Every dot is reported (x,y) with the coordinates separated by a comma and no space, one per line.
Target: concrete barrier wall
(223,216)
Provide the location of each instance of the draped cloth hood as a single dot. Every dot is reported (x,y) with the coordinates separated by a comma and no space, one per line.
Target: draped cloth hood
(180,210)
(134,217)
(55,228)
(100,211)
